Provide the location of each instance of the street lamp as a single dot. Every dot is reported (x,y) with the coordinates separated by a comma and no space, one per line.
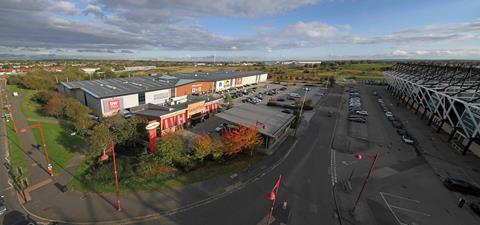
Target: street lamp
(272,196)
(105,157)
(44,145)
(374,159)
(301,110)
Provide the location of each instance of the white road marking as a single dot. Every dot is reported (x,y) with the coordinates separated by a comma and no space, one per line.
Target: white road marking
(391,207)
(391,210)
(400,197)
(410,210)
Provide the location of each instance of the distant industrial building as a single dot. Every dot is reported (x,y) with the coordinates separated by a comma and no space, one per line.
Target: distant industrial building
(449,96)
(110,96)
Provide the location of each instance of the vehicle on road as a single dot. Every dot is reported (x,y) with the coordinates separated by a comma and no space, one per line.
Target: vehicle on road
(363,113)
(397,124)
(357,119)
(408,140)
(475,207)
(387,114)
(283,88)
(461,186)
(287,111)
(3,207)
(401,132)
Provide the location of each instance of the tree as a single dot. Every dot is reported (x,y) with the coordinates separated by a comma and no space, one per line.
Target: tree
(205,146)
(229,101)
(39,80)
(170,150)
(75,109)
(54,107)
(83,124)
(331,80)
(100,139)
(240,139)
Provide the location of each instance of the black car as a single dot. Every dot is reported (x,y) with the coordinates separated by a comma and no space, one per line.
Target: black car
(283,88)
(461,186)
(475,207)
(287,111)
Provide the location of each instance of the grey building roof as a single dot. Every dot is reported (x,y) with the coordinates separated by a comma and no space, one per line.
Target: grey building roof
(131,85)
(120,86)
(247,114)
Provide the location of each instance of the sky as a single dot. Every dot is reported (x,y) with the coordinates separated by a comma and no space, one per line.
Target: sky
(240,29)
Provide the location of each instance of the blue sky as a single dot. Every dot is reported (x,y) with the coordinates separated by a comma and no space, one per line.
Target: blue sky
(242,29)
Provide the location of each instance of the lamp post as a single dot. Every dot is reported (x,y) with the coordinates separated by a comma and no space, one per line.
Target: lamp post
(301,110)
(374,159)
(105,157)
(44,145)
(272,196)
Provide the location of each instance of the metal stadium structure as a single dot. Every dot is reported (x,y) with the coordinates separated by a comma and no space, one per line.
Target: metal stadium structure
(447,95)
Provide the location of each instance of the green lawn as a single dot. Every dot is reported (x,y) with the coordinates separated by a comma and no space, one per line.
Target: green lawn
(61,145)
(136,183)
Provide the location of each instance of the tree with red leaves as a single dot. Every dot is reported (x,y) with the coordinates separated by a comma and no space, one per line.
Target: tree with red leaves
(237,140)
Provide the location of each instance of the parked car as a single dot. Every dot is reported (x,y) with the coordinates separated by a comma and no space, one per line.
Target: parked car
(287,111)
(363,113)
(397,124)
(3,207)
(294,95)
(280,99)
(283,88)
(387,114)
(358,120)
(402,132)
(461,186)
(407,139)
(475,207)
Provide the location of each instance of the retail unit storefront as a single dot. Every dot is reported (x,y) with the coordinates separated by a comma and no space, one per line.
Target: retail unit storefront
(182,116)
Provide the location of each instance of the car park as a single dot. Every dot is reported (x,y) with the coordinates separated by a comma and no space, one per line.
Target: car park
(461,186)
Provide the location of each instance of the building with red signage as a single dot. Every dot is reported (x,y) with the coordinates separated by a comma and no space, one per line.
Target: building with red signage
(192,110)
(111,96)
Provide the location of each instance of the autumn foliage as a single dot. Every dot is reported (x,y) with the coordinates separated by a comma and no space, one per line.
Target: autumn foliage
(237,140)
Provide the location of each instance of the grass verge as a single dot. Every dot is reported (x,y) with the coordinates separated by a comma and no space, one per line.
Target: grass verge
(136,183)
(61,145)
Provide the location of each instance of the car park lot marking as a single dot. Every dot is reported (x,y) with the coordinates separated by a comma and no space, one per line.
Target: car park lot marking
(399,200)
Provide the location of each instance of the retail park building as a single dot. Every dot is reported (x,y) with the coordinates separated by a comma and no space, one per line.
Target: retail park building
(165,98)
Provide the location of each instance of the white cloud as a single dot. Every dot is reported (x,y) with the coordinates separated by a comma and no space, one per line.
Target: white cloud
(399,53)
(93,9)
(442,53)
(429,34)
(65,7)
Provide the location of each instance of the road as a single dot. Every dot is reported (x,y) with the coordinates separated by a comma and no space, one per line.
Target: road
(306,185)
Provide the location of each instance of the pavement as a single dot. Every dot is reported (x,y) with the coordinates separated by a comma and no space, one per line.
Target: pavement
(303,161)
(405,187)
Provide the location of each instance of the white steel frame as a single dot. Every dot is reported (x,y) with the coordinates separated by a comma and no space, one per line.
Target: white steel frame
(446,91)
